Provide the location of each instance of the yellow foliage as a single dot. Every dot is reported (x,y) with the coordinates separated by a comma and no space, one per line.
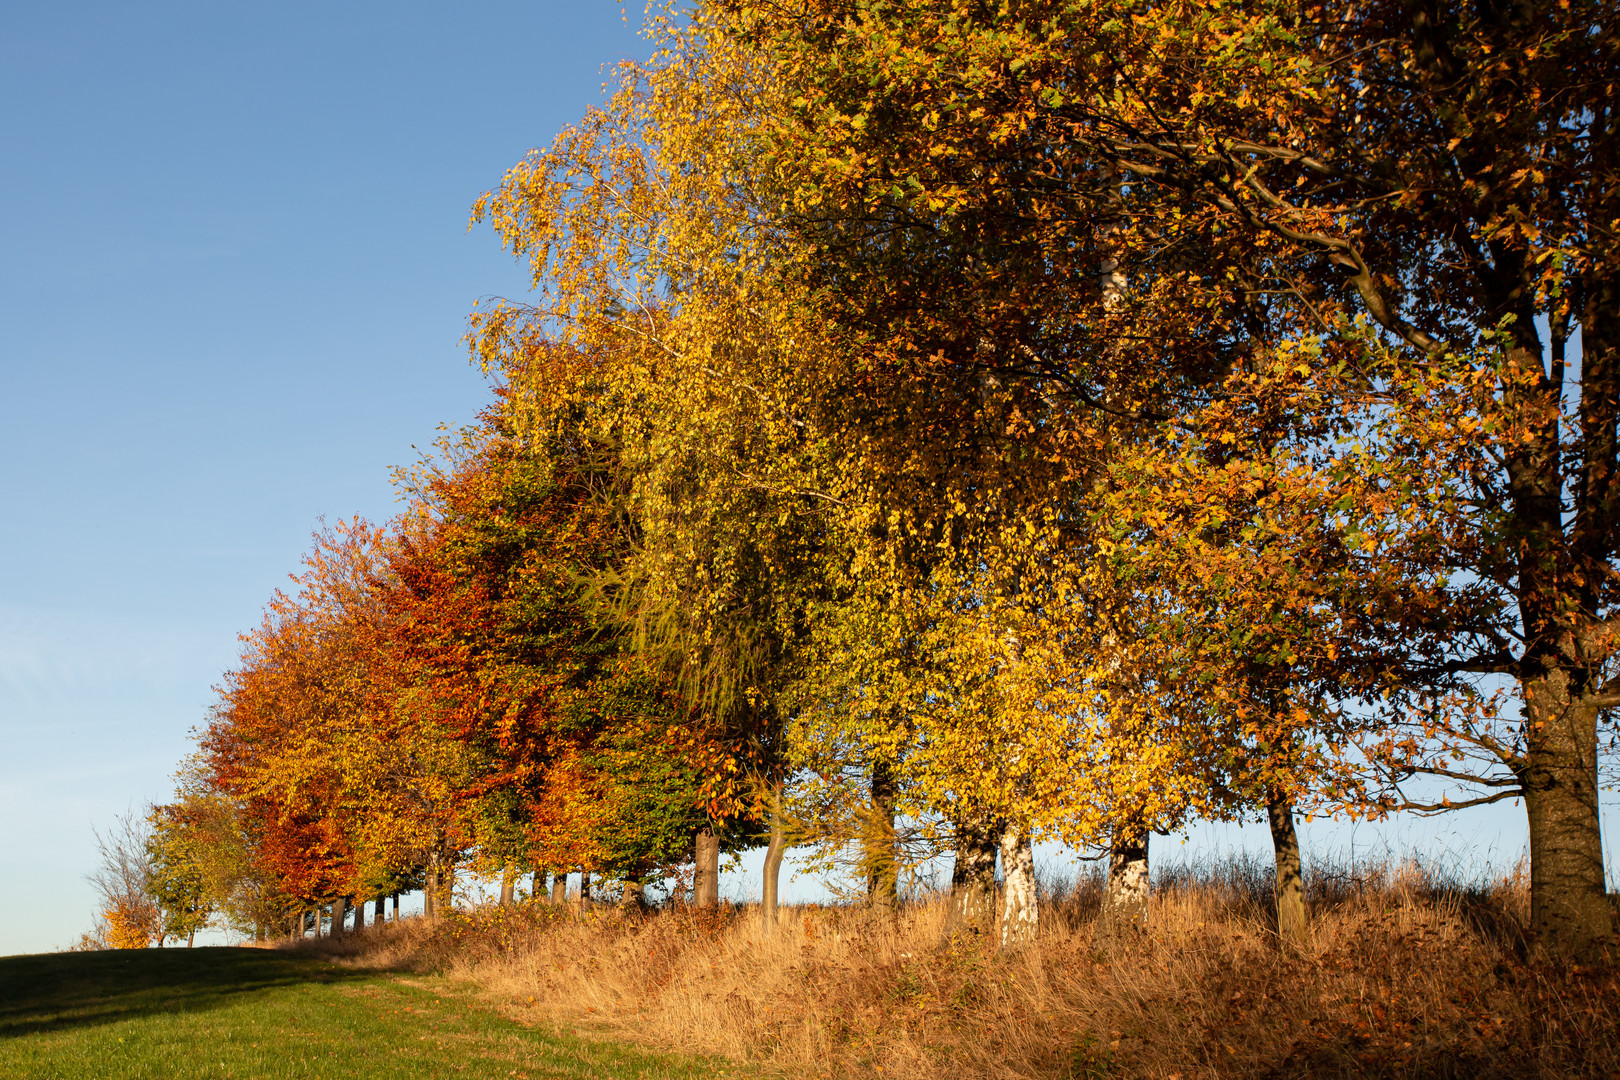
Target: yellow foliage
(132,923)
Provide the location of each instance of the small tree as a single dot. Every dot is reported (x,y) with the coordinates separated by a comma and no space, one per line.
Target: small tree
(183,848)
(130,917)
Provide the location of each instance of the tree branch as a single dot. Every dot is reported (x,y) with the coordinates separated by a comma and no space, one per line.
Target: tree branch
(1431,809)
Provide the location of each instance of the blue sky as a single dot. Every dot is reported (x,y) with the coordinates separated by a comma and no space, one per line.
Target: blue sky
(234,274)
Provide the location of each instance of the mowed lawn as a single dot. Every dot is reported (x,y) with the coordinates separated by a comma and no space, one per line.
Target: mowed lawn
(216,1012)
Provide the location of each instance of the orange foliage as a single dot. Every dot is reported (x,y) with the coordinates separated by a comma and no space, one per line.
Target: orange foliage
(132,923)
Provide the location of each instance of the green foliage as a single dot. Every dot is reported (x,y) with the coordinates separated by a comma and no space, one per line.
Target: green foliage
(179,880)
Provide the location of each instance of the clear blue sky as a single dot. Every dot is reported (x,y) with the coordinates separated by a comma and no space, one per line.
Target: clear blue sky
(234,274)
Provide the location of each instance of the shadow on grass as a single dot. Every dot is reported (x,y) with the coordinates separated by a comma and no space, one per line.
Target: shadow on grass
(61,991)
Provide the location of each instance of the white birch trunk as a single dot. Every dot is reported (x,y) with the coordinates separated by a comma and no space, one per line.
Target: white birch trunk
(1019,914)
(1125,901)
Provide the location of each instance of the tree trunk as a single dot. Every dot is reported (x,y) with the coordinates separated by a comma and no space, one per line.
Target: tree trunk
(439,893)
(706,876)
(395,906)
(1569,906)
(584,889)
(973,879)
(191,939)
(359,914)
(508,885)
(559,887)
(880,855)
(1559,605)
(1290,883)
(774,850)
(1020,915)
(1125,898)
(340,915)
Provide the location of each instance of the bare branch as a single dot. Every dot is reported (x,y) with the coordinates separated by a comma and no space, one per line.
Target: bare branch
(1431,809)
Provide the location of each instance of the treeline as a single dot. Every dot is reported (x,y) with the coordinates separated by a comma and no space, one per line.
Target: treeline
(439,693)
(940,426)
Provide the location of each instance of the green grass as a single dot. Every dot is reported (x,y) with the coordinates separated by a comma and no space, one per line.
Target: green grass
(186,1013)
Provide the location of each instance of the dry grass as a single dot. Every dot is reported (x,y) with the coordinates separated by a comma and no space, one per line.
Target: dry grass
(1405,976)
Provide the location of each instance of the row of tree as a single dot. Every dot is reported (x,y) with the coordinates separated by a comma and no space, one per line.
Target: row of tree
(437,694)
(948,425)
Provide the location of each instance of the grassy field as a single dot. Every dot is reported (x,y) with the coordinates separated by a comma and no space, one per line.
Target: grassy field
(178,1013)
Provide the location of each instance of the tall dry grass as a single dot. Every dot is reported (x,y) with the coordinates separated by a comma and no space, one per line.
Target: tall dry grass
(1405,974)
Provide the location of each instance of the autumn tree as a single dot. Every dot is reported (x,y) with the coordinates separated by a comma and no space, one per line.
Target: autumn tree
(129,916)
(1050,421)
(179,885)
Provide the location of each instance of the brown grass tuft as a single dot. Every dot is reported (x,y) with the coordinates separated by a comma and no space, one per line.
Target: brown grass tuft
(1405,975)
